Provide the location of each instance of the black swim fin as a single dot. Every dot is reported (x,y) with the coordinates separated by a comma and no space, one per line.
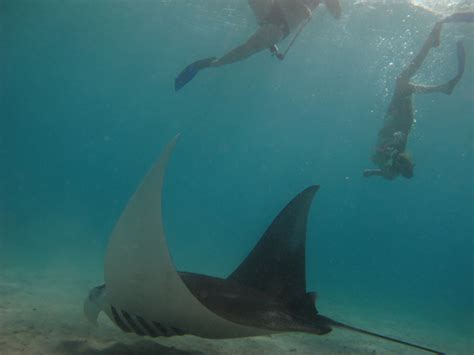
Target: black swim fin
(451,84)
(461,52)
(190,72)
(460,17)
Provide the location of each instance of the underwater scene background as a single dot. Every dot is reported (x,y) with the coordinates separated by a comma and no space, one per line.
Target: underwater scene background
(87,103)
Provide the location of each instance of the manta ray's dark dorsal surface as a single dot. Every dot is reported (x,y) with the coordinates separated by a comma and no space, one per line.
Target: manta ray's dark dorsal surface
(277,264)
(145,294)
(268,289)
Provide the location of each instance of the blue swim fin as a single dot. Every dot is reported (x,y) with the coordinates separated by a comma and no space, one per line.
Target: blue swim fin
(190,72)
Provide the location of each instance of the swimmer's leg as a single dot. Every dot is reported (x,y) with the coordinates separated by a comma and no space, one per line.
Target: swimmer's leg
(448,87)
(433,40)
(188,73)
(334,7)
(265,37)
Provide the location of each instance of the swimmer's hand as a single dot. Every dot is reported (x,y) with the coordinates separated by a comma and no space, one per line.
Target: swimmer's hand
(276,53)
(372,172)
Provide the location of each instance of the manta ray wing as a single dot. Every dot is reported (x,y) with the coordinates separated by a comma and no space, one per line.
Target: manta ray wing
(277,264)
(144,294)
(143,286)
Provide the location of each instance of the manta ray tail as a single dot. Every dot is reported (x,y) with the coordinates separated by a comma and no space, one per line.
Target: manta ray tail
(358,330)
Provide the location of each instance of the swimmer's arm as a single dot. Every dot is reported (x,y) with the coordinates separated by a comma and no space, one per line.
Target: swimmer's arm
(372,172)
(448,87)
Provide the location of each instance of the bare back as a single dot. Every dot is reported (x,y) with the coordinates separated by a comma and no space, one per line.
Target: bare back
(294,11)
(261,9)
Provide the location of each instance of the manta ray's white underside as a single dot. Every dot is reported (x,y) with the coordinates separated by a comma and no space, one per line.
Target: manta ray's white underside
(140,276)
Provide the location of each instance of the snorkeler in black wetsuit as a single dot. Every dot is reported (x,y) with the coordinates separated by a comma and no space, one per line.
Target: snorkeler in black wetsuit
(390,155)
(276,20)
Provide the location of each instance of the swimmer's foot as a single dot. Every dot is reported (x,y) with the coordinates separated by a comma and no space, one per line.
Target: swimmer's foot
(204,63)
(190,72)
(467,16)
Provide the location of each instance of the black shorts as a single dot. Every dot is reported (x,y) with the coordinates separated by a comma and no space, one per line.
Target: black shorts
(276,17)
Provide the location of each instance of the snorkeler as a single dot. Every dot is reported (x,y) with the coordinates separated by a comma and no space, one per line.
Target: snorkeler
(390,155)
(276,20)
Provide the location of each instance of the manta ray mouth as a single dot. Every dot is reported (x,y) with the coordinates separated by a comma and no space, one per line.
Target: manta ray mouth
(138,325)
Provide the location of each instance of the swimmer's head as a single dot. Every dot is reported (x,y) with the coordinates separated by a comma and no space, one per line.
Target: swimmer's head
(405,165)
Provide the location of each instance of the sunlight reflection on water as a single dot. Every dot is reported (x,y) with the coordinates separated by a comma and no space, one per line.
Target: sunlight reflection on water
(438,6)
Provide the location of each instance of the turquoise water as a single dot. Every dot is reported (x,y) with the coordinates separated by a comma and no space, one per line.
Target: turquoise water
(87,103)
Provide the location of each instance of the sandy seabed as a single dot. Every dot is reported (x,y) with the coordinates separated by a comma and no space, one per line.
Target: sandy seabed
(41,313)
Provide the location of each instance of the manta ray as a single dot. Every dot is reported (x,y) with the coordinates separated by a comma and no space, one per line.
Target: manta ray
(266,294)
